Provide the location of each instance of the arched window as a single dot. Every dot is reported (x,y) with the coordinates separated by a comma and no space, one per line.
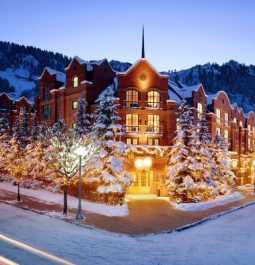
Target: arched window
(132,100)
(75,81)
(153,99)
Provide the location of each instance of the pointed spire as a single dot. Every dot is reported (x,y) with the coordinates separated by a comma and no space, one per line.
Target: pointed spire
(143,50)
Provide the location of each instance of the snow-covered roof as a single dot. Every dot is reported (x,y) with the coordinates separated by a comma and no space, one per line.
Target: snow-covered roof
(5,95)
(142,60)
(178,90)
(24,98)
(173,96)
(88,63)
(61,77)
(86,82)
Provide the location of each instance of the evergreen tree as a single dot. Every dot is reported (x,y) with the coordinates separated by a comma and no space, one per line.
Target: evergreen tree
(223,175)
(111,176)
(106,125)
(189,176)
(82,123)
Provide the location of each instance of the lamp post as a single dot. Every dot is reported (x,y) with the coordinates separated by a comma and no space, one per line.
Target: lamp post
(79,216)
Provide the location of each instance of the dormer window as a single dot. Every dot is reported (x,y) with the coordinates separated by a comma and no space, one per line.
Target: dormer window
(75,81)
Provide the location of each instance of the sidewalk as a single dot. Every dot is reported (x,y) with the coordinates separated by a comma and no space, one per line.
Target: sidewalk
(145,216)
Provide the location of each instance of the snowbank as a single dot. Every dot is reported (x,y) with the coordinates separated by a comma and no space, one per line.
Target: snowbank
(107,210)
(205,205)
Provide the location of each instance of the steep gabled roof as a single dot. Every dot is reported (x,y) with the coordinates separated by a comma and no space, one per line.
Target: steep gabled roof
(61,77)
(139,61)
(89,64)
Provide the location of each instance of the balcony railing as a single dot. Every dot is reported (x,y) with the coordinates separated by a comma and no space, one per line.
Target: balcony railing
(132,128)
(154,129)
(154,105)
(132,104)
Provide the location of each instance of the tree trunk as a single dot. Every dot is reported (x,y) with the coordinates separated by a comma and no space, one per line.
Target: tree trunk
(65,200)
(18,196)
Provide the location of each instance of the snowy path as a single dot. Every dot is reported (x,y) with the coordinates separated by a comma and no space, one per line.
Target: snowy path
(227,240)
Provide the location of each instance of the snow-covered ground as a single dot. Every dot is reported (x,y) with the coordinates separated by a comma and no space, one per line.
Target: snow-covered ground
(57,198)
(205,205)
(228,240)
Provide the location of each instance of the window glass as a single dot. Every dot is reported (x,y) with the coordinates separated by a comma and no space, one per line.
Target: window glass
(132,99)
(132,121)
(153,99)
(75,81)
(75,104)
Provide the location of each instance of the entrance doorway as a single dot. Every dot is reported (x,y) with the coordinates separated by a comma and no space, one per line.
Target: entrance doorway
(141,182)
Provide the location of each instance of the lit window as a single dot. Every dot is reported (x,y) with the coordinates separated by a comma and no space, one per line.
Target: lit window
(217,131)
(132,123)
(240,123)
(75,81)
(235,121)
(74,125)
(132,99)
(226,118)
(226,135)
(249,127)
(75,104)
(153,141)
(199,110)
(153,123)
(218,115)
(22,110)
(132,140)
(153,99)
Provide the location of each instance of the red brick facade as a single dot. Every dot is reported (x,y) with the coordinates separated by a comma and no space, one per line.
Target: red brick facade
(147,105)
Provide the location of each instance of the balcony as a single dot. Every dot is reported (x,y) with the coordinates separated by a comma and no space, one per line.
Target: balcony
(132,104)
(132,128)
(153,105)
(154,129)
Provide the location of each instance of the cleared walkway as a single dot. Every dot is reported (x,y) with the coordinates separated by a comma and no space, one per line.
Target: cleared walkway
(145,216)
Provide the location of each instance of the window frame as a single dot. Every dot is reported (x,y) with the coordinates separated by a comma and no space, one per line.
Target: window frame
(75,81)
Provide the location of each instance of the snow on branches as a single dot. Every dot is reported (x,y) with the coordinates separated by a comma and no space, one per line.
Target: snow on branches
(194,174)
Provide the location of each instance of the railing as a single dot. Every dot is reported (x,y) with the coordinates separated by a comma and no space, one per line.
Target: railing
(154,129)
(154,105)
(131,104)
(132,128)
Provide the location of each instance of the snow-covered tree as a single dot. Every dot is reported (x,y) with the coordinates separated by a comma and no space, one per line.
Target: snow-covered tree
(189,174)
(5,136)
(82,123)
(62,156)
(17,166)
(106,125)
(223,175)
(110,174)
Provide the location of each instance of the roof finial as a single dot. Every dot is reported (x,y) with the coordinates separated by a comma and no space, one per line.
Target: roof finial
(143,51)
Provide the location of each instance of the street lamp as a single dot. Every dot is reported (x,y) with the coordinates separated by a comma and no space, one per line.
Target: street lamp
(80,152)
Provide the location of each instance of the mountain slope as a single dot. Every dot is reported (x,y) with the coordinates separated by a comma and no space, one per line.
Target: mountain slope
(20,67)
(238,80)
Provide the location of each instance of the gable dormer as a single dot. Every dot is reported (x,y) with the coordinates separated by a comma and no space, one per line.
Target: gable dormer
(143,78)
(50,79)
(76,72)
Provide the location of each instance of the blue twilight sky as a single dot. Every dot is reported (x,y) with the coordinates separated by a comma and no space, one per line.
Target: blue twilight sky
(178,34)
